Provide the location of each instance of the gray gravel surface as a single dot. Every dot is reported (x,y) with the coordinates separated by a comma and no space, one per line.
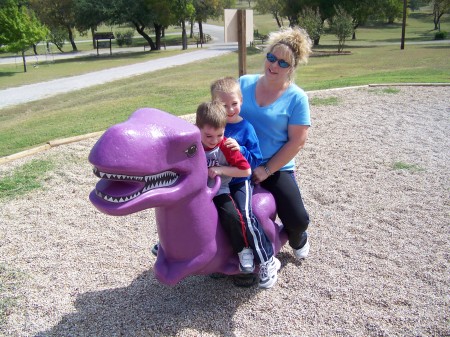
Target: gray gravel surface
(379,262)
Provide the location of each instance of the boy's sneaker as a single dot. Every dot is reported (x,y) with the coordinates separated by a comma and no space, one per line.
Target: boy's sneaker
(155,249)
(268,273)
(246,264)
(302,252)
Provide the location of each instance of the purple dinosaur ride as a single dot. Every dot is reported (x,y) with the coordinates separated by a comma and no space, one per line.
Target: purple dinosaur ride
(156,160)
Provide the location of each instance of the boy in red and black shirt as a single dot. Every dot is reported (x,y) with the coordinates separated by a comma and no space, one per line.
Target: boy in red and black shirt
(211,119)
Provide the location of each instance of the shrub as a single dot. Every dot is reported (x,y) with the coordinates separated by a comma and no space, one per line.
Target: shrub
(125,38)
(442,35)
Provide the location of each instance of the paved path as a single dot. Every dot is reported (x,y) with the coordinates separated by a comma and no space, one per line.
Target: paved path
(32,92)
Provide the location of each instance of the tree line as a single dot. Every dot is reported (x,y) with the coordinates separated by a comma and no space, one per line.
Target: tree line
(343,16)
(24,23)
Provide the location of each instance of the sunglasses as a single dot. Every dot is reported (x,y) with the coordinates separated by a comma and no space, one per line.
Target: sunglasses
(272,59)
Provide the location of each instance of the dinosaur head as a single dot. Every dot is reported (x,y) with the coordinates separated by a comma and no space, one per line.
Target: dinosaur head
(150,160)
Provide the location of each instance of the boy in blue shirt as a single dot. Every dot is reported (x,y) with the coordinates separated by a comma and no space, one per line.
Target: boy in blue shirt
(241,137)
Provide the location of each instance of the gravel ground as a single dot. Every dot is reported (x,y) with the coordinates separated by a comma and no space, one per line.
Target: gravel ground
(379,262)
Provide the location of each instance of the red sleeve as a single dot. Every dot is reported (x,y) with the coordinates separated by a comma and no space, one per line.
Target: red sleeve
(234,158)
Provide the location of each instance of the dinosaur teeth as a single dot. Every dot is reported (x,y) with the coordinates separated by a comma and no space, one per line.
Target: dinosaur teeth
(112,176)
(164,179)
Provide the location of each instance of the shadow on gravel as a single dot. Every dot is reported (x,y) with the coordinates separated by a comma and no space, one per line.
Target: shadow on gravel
(198,304)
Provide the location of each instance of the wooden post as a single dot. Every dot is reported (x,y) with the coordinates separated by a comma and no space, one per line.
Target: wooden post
(402,45)
(242,43)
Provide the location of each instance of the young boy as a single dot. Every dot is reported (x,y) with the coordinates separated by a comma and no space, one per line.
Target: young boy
(242,139)
(211,119)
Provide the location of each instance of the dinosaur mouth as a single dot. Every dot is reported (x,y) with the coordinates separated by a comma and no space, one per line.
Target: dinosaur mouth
(119,188)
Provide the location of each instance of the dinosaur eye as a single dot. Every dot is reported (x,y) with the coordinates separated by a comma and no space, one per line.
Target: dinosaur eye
(191,151)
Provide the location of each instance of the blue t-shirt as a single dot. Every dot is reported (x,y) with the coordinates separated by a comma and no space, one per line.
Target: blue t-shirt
(244,133)
(271,122)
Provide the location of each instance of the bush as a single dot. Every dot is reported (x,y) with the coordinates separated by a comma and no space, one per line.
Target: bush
(442,35)
(124,38)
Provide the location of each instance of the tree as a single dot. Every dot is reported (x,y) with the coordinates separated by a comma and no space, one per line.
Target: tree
(342,26)
(440,7)
(360,11)
(89,14)
(57,15)
(311,21)
(205,9)
(273,7)
(184,11)
(19,29)
(389,10)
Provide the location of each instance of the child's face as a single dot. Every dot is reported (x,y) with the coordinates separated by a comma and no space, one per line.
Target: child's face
(232,103)
(211,136)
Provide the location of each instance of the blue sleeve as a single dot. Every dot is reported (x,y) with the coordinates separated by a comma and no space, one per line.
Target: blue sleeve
(250,149)
(299,107)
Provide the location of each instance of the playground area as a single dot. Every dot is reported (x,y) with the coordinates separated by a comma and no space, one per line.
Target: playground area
(374,176)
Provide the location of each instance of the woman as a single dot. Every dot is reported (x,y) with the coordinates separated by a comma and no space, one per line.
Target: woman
(279,112)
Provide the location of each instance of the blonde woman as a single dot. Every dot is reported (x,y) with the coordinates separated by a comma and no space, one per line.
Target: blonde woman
(279,111)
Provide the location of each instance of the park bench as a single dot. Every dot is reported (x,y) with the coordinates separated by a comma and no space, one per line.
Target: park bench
(199,41)
(258,37)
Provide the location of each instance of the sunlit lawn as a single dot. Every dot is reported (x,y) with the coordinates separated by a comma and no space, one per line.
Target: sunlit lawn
(179,90)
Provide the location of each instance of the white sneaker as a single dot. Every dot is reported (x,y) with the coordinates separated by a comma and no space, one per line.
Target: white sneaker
(246,264)
(303,252)
(268,273)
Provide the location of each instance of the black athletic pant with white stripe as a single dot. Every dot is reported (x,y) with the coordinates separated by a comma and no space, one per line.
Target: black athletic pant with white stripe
(255,236)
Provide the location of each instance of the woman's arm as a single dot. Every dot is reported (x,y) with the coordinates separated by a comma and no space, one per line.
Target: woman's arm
(297,135)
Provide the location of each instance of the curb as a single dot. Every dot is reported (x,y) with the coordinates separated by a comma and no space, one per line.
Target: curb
(62,141)
(47,146)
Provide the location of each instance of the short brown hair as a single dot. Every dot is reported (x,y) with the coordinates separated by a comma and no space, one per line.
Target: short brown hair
(227,85)
(212,114)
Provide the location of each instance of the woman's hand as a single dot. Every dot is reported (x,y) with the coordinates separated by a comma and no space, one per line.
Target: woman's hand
(259,175)
(232,144)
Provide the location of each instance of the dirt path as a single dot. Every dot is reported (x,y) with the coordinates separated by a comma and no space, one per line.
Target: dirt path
(379,263)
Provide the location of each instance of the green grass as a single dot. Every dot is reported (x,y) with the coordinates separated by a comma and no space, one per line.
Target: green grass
(12,75)
(317,101)
(24,179)
(179,90)
(405,166)
(9,281)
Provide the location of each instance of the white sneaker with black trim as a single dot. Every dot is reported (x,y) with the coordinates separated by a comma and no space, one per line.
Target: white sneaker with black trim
(303,252)
(246,264)
(268,273)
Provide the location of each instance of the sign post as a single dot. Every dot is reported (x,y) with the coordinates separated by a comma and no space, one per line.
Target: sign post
(239,28)
(242,42)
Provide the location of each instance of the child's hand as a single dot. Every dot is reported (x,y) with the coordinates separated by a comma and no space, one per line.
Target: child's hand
(214,171)
(232,144)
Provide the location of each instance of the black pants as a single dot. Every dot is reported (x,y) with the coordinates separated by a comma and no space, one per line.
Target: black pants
(231,221)
(290,208)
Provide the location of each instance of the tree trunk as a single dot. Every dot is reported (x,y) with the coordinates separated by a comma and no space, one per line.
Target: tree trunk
(24,61)
(200,31)
(183,34)
(354,31)
(93,40)
(34,49)
(191,34)
(158,33)
(147,38)
(72,42)
(277,19)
